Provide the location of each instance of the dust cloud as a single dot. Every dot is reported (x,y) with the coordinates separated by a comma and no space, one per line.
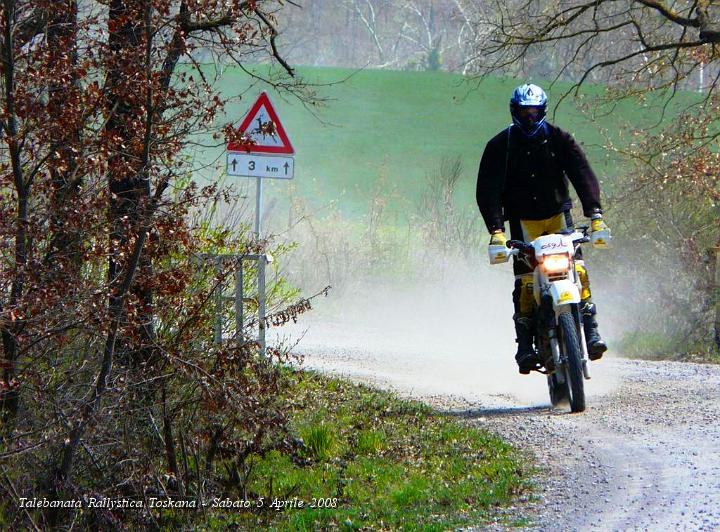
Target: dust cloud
(452,335)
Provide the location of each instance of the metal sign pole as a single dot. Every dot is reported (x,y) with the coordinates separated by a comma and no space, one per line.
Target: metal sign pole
(262,324)
(262,259)
(218,303)
(258,207)
(239,299)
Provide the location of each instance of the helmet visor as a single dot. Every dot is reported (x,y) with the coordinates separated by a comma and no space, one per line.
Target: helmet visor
(531,115)
(528,117)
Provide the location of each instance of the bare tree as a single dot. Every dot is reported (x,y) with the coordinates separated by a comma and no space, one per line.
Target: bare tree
(405,34)
(368,15)
(98,104)
(423,30)
(635,43)
(472,30)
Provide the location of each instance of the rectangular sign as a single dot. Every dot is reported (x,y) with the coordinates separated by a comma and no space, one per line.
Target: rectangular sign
(254,165)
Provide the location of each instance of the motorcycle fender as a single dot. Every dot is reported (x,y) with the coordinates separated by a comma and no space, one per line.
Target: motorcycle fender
(564,292)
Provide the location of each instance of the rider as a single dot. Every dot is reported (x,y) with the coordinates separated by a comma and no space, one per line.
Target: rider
(523,178)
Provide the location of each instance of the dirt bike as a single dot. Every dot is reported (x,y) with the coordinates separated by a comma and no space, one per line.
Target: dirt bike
(559,334)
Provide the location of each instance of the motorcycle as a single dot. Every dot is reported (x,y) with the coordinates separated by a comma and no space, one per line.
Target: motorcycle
(559,335)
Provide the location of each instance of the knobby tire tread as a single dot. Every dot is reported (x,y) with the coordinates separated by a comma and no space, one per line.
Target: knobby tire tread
(571,347)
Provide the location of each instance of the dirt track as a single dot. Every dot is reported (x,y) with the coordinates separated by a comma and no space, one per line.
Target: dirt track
(645,454)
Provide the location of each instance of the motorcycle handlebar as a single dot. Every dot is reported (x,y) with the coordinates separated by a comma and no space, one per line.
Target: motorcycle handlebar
(518,244)
(523,246)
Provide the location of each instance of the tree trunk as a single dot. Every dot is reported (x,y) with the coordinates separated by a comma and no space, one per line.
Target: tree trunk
(129,188)
(13,324)
(65,250)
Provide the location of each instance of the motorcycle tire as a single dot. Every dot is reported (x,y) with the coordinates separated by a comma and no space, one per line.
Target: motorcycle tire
(570,346)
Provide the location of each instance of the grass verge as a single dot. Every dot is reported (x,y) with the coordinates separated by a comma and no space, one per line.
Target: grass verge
(658,345)
(369,460)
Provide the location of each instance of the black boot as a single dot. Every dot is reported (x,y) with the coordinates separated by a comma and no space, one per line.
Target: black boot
(525,357)
(595,345)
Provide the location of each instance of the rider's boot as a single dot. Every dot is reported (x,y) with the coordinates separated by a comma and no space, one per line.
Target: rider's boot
(525,357)
(595,344)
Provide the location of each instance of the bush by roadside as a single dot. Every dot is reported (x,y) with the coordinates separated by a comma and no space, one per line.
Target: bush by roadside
(364,459)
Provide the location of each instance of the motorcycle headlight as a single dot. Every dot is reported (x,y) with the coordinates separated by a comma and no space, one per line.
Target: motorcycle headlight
(557,263)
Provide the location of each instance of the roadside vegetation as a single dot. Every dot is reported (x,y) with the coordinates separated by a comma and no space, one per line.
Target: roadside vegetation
(366,459)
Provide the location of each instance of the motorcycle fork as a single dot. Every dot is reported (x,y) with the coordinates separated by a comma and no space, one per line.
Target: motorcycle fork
(578,318)
(546,321)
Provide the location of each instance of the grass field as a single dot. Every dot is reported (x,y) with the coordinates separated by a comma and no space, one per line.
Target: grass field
(362,166)
(395,127)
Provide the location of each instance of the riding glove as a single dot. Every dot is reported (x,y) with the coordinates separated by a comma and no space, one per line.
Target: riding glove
(498,239)
(600,233)
(497,250)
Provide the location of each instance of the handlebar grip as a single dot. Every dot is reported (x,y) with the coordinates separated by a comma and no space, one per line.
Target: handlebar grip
(520,246)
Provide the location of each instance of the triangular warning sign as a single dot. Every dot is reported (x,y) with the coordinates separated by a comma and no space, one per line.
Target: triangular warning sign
(263,126)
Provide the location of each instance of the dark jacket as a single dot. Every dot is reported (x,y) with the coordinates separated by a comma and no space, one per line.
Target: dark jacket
(534,186)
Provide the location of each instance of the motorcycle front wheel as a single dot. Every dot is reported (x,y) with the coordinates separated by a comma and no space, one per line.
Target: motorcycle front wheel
(570,345)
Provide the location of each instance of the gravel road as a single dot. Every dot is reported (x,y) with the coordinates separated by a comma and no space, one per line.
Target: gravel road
(644,456)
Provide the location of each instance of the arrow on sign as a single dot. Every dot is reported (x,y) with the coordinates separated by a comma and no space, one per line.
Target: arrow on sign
(234,164)
(286,166)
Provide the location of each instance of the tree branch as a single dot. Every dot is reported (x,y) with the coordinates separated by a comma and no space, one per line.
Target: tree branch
(670,14)
(273,35)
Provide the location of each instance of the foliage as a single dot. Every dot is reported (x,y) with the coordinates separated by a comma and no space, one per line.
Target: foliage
(667,213)
(110,384)
(394,464)
(320,441)
(634,44)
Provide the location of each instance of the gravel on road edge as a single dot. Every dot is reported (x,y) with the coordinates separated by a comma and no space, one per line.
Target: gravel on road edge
(644,456)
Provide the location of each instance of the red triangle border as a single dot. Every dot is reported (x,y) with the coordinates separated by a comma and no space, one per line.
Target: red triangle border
(286,148)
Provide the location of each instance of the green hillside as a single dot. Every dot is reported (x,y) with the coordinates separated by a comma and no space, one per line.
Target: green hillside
(399,125)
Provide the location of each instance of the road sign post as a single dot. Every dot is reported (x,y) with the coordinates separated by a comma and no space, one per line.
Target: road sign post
(258,206)
(265,153)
